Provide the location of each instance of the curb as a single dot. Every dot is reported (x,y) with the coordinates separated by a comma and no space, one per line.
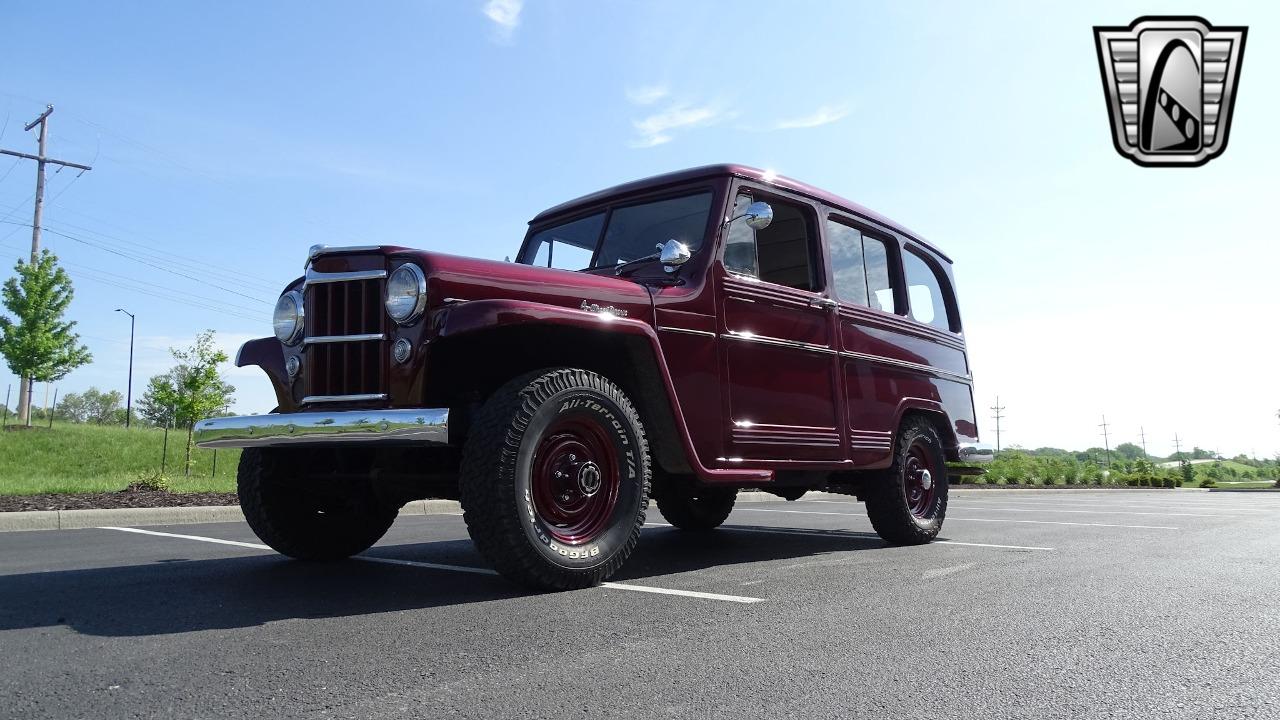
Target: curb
(75,519)
(137,517)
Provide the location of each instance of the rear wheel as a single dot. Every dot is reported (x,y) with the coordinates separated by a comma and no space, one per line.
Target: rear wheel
(308,518)
(555,479)
(908,503)
(695,508)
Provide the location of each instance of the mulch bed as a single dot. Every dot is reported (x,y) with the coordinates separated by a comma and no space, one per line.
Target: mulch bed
(131,497)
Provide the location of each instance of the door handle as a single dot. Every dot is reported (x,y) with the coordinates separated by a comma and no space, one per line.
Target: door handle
(824,303)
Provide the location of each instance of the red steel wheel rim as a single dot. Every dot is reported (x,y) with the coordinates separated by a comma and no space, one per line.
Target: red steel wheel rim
(575,480)
(920,482)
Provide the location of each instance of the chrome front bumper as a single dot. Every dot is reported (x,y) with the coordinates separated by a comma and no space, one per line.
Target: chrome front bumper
(977,453)
(413,426)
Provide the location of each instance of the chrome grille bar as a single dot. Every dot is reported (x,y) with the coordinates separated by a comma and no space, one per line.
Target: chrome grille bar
(358,397)
(317,278)
(320,339)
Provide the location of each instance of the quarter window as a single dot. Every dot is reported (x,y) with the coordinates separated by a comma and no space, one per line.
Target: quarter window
(781,253)
(860,267)
(924,291)
(568,246)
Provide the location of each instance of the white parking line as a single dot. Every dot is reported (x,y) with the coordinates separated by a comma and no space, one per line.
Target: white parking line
(1098,501)
(255,546)
(1062,522)
(1055,509)
(855,533)
(454,568)
(682,593)
(962,519)
(1095,512)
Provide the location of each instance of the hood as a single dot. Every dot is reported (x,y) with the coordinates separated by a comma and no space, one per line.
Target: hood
(464,278)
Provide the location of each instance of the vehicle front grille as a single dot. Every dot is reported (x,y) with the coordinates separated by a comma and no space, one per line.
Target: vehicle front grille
(345,338)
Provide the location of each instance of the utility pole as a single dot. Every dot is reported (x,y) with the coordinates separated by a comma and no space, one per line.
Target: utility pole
(25,387)
(1177,445)
(1143,432)
(998,409)
(128,398)
(1106,440)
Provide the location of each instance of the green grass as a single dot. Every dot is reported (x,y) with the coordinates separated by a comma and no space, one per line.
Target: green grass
(93,458)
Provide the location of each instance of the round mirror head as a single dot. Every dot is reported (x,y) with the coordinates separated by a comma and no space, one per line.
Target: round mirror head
(758,215)
(674,253)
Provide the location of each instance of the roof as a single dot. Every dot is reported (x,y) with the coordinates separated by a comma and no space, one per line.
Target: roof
(742,171)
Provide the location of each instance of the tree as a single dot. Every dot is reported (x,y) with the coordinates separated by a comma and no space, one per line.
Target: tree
(190,391)
(39,346)
(1130,451)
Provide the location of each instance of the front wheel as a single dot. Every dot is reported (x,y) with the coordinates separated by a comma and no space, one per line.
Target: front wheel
(306,517)
(908,503)
(555,479)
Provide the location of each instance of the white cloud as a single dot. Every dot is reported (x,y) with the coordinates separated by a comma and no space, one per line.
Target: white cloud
(656,129)
(505,15)
(824,115)
(646,94)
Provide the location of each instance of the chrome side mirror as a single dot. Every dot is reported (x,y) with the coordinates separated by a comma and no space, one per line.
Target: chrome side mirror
(674,254)
(758,215)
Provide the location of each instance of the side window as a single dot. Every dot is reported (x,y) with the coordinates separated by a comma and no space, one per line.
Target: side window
(860,267)
(781,253)
(924,291)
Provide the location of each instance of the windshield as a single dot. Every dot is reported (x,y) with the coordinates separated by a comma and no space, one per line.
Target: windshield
(634,231)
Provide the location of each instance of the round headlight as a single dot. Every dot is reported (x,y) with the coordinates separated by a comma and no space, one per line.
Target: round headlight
(406,294)
(288,318)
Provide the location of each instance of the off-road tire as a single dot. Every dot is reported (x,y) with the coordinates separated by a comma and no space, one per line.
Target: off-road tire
(887,494)
(496,480)
(305,524)
(695,508)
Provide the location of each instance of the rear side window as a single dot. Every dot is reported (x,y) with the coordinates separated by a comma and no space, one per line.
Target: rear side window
(860,267)
(925,292)
(781,253)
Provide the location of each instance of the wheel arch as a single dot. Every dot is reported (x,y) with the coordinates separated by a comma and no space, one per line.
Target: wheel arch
(465,367)
(931,412)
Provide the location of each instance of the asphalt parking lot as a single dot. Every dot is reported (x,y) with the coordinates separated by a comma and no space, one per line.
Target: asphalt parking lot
(1071,604)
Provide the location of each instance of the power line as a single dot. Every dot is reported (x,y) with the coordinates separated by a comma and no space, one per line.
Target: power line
(177,293)
(227,274)
(135,258)
(177,299)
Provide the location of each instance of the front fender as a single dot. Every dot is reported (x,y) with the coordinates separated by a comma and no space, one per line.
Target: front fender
(481,315)
(267,354)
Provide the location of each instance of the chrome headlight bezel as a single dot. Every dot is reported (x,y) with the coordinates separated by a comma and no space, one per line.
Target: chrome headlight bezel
(409,306)
(290,302)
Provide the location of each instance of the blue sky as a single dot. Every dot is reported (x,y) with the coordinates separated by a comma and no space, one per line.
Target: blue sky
(226,138)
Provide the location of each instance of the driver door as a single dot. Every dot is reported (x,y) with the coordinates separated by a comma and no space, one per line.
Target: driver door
(777,330)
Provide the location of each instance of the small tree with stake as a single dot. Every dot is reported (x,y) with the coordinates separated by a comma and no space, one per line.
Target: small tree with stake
(39,345)
(193,389)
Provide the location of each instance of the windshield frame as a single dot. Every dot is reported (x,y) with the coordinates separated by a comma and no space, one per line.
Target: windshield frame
(714,217)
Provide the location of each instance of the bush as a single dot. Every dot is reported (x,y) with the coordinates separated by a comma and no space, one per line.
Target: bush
(1278,482)
(1167,482)
(1131,482)
(1208,483)
(1144,481)
(1177,481)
